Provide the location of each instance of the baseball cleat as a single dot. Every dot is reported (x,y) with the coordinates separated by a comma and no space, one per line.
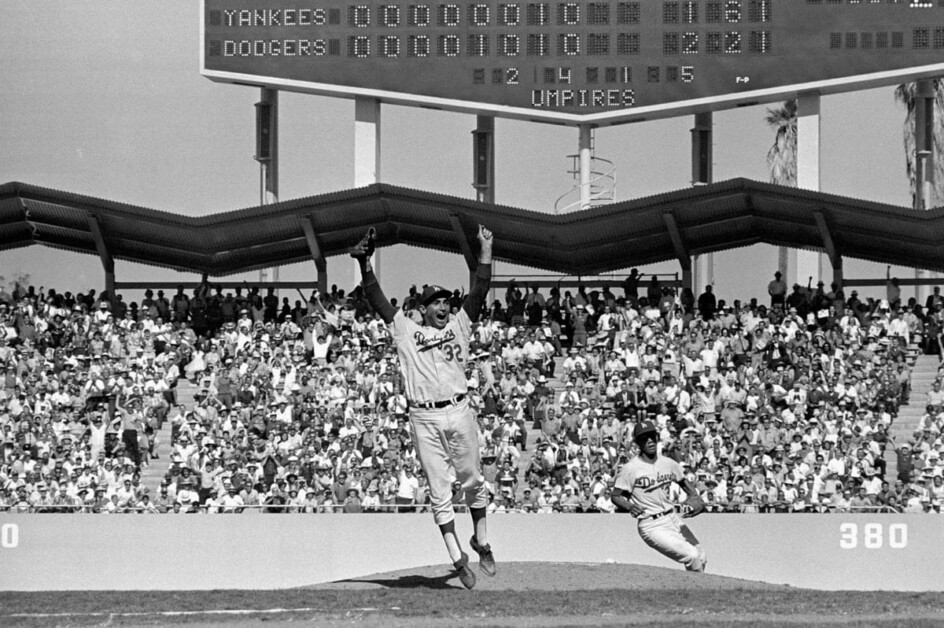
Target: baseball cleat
(486,559)
(466,575)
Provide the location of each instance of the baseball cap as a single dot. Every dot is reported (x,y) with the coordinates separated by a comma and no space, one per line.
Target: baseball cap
(431,293)
(644,427)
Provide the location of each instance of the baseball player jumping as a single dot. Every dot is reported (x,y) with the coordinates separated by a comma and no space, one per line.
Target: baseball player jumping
(640,489)
(445,433)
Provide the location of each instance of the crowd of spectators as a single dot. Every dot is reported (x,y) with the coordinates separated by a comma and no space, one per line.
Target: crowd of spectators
(776,406)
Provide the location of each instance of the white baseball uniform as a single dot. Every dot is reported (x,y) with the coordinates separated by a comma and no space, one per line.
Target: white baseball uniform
(659,525)
(444,428)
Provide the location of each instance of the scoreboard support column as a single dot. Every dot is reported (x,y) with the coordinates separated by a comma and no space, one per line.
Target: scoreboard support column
(483,178)
(702,270)
(366,141)
(367,151)
(924,163)
(483,159)
(924,145)
(702,149)
(807,263)
(267,154)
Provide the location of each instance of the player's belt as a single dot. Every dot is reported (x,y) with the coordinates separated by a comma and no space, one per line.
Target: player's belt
(658,515)
(430,405)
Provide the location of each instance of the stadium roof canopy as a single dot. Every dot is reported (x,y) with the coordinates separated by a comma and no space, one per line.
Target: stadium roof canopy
(675,225)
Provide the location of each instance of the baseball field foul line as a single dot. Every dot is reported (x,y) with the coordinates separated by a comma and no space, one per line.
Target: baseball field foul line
(264,611)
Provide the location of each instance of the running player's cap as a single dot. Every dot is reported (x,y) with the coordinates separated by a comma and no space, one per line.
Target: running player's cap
(644,427)
(431,293)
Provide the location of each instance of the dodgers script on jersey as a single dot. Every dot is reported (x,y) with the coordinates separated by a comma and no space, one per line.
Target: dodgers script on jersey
(432,360)
(647,482)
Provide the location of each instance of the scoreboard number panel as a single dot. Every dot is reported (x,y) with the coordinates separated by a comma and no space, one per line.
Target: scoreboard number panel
(572,60)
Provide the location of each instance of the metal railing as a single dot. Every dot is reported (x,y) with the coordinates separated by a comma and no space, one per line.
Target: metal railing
(602,184)
(393,509)
(196,507)
(609,280)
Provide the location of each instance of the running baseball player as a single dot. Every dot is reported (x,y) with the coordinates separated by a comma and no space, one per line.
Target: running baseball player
(640,489)
(433,356)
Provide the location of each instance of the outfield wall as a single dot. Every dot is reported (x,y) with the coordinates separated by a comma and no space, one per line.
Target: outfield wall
(199,552)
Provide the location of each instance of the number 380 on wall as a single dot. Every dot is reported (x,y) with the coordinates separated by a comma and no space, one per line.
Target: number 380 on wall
(873,536)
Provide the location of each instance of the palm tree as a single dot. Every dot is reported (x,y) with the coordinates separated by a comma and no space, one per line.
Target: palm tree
(782,157)
(905,94)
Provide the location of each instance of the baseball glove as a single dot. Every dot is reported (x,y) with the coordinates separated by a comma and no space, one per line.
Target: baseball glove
(365,248)
(693,506)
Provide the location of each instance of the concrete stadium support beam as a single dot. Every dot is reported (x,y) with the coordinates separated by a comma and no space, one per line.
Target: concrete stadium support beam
(459,230)
(835,258)
(924,162)
(681,251)
(471,261)
(807,263)
(317,252)
(108,263)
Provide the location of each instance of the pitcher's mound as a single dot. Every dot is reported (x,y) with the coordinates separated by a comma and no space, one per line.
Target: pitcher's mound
(553,577)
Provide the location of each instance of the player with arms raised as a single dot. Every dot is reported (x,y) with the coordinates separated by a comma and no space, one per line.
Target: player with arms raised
(445,433)
(640,489)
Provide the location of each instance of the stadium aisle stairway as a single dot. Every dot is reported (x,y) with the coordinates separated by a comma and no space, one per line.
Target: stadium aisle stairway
(152,474)
(556,386)
(923,374)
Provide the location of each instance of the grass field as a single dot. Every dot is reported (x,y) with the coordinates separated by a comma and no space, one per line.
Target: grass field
(523,594)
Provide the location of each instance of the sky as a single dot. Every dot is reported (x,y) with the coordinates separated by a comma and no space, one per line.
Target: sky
(105,99)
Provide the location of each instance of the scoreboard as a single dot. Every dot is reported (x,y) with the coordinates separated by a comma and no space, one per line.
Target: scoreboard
(572,61)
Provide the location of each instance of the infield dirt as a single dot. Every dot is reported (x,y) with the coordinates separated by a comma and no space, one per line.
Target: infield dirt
(554,577)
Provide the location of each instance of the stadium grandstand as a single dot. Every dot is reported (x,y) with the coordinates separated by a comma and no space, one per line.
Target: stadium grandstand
(210,399)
